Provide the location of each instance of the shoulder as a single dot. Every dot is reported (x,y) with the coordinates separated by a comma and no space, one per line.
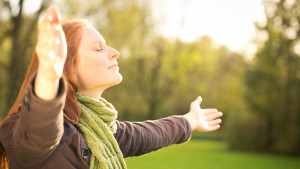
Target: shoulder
(8,126)
(70,147)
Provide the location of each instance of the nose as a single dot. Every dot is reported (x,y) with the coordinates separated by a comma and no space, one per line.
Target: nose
(114,53)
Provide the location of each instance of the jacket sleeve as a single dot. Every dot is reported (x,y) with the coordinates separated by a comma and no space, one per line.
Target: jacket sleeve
(40,127)
(139,138)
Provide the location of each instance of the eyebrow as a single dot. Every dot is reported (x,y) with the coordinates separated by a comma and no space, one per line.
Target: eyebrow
(103,41)
(98,41)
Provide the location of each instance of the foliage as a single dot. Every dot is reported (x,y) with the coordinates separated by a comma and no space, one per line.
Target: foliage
(274,85)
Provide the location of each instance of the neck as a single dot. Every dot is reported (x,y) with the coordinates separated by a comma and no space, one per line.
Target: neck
(92,94)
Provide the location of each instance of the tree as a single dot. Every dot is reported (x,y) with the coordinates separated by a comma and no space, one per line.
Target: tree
(274,83)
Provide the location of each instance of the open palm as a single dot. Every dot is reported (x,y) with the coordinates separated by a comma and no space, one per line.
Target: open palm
(203,119)
(51,46)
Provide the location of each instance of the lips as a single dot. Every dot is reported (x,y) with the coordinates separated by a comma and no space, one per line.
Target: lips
(114,65)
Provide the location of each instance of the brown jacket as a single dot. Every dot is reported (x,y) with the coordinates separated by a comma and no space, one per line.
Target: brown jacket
(43,139)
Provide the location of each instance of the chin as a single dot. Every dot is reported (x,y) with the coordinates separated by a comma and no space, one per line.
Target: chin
(120,78)
(117,80)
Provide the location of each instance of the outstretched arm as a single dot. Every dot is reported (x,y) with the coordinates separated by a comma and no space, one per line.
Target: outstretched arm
(136,139)
(139,138)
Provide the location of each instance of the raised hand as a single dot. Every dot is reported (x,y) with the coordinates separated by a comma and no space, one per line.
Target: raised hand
(51,50)
(203,119)
(51,45)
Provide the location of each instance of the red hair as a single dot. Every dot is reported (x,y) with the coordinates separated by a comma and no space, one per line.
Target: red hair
(72,112)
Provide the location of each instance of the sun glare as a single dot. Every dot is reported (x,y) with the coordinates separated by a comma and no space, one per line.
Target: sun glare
(229,22)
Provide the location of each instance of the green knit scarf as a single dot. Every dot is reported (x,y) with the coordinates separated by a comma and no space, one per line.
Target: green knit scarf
(97,125)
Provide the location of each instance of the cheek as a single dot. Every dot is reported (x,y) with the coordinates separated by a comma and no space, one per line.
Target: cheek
(92,64)
(96,66)
(91,72)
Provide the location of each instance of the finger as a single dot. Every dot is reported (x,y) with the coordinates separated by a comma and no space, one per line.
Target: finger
(212,128)
(44,36)
(45,22)
(214,122)
(53,42)
(46,39)
(199,100)
(209,111)
(214,115)
(196,102)
(52,17)
(54,12)
(48,46)
(62,51)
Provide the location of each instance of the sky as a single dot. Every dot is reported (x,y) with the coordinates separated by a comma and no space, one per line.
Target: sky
(228,22)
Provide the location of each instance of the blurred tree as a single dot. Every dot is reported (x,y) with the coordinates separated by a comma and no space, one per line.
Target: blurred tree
(17,41)
(211,71)
(153,83)
(274,84)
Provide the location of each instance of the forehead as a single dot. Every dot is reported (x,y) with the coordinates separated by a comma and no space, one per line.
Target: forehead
(91,35)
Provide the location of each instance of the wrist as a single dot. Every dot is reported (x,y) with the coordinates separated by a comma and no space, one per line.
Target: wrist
(47,75)
(46,88)
(191,120)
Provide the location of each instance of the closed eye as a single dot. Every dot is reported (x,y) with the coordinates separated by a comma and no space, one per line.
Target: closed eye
(98,48)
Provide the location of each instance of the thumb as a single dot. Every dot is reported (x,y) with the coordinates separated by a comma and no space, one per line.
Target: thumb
(196,103)
(199,100)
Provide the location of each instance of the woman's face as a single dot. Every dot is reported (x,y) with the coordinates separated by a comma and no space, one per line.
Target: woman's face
(97,68)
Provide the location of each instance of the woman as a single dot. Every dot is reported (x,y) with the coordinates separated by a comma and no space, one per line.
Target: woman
(60,120)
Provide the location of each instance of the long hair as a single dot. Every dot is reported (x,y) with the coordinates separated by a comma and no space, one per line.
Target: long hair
(72,112)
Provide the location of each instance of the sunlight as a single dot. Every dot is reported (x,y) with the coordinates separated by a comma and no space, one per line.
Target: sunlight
(230,22)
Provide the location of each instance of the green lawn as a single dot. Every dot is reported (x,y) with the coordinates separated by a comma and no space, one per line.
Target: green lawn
(209,155)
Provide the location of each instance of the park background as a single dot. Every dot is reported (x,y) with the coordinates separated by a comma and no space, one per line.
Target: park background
(256,85)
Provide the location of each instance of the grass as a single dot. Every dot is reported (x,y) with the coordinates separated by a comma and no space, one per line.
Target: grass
(209,155)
